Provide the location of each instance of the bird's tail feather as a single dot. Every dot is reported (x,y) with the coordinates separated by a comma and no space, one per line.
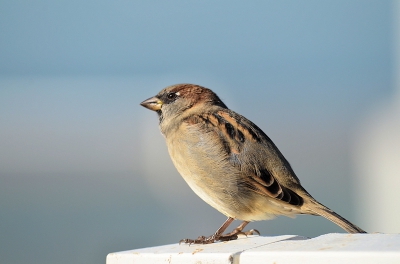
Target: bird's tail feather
(324,211)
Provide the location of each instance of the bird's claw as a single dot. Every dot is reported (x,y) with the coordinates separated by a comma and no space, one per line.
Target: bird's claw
(234,234)
(200,240)
(250,232)
(211,239)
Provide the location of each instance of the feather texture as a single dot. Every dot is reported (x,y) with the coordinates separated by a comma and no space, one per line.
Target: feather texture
(229,161)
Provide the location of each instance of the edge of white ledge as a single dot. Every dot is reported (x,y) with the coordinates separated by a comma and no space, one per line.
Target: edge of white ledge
(329,248)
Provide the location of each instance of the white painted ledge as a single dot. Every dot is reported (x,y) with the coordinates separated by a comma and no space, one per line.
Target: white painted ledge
(330,248)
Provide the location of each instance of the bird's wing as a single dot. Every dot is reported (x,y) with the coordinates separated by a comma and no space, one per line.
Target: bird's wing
(255,155)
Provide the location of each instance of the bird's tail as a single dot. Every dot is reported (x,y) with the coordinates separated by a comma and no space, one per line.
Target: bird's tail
(324,211)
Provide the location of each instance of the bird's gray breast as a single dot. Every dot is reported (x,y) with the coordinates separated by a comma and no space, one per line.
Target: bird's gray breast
(202,161)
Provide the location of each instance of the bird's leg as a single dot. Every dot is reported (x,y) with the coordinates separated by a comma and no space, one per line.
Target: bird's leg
(210,239)
(237,231)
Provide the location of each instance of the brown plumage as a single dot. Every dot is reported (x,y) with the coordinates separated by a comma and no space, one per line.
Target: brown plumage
(229,162)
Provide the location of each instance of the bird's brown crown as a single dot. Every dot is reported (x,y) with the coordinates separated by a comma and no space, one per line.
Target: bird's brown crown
(193,93)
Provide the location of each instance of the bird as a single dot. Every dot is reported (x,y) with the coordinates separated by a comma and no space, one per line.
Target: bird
(230,163)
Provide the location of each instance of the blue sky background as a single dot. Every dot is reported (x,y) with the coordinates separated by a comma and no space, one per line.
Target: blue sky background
(84,170)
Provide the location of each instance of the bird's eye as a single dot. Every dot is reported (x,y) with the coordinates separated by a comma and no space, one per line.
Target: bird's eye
(171,96)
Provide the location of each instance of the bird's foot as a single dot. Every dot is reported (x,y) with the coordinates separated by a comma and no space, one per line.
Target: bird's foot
(234,234)
(200,240)
(214,238)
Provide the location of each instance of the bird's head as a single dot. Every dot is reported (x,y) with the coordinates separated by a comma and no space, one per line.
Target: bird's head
(177,100)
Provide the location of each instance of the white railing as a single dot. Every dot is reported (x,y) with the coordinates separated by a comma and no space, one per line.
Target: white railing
(330,248)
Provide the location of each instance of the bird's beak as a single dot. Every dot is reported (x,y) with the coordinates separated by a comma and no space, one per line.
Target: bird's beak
(152,103)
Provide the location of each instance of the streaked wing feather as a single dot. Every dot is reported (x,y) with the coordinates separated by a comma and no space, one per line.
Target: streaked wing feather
(234,130)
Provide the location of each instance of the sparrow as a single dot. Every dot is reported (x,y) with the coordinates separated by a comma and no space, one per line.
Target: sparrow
(230,163)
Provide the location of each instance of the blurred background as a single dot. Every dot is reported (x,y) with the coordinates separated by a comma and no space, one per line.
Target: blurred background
(84,170)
